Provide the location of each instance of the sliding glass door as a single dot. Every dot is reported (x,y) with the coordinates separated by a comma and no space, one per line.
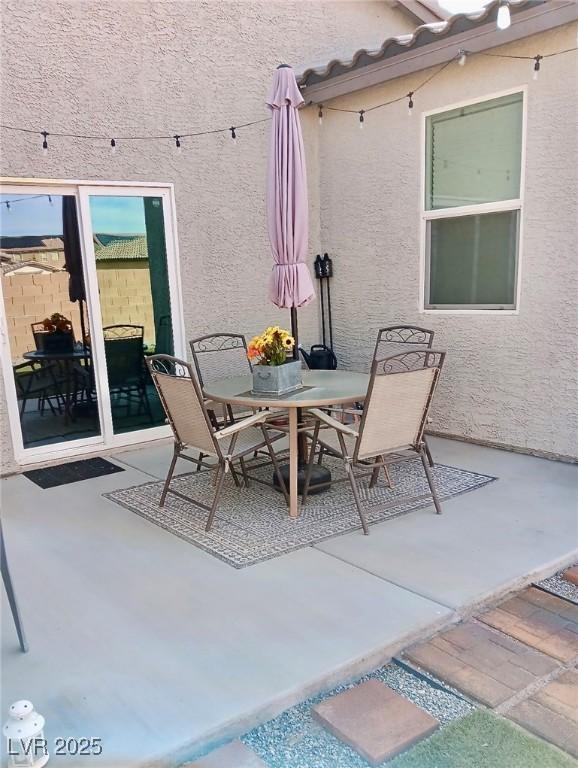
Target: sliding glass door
(89,289)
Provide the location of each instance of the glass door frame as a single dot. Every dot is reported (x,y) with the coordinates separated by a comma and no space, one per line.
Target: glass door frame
(81,191)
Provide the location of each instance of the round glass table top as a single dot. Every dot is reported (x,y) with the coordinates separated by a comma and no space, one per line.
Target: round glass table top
(319,388)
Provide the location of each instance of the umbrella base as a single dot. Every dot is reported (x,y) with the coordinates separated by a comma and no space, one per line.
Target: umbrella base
(319,483)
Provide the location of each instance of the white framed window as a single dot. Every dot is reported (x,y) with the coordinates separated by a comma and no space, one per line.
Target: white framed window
(471,205)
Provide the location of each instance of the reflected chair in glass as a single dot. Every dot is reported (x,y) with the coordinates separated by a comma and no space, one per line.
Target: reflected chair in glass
(124,352)
(399,338)
(193,429)
(395,413)
(40,382)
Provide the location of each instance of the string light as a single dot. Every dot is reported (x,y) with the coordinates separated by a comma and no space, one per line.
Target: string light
(7,205)
(410,103)
(503,21)
(50,200)
(233,134)
(461,57)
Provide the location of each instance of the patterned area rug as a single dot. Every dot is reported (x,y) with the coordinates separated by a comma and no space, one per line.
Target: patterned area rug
(252,524)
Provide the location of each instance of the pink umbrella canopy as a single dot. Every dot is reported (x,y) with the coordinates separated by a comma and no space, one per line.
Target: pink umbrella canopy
(287,215)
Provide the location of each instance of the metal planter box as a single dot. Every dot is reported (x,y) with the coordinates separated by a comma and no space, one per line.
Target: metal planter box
(277,379)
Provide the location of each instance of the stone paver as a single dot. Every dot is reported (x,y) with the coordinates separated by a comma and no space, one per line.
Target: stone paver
(232,755)
(374,720)
(571,575)
(539,619)
(482,663)
(552,712)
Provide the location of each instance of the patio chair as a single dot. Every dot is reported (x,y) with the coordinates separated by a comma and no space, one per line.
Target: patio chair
(398,338)
(218,356)
(398,400)
(39,382)
(124,352)
(193,428)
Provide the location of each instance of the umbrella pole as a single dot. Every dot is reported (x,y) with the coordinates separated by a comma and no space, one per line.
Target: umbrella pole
(301,442)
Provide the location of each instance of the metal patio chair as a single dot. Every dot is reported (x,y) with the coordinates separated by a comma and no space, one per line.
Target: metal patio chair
(42,383)
(124,352)
(400,338)
(218,356)
(398,400)
(194,429)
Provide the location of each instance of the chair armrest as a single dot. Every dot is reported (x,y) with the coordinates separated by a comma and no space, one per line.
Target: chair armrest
(256,418)
(326,419)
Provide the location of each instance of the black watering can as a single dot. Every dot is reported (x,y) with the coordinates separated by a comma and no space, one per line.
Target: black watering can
(320,357)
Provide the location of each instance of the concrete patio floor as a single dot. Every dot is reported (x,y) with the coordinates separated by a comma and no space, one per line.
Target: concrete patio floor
(157,647)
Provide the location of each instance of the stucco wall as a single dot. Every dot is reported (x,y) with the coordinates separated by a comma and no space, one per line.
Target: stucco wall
(161,66)
(510,379)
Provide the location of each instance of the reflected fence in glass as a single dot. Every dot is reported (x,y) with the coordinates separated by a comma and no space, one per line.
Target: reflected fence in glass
(48,334)
(131,265)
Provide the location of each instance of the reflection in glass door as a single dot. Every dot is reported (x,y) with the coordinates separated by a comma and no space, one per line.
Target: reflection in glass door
(47,325)
(128,234)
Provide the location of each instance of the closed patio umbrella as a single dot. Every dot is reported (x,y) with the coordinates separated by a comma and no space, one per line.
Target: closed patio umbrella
(290,284)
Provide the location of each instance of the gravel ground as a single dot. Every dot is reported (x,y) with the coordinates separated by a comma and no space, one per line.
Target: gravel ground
(295,740)
(558,585)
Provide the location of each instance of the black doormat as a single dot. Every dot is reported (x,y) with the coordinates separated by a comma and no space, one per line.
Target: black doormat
(62,474)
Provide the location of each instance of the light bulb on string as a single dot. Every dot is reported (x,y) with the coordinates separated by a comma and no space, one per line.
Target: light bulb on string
(112,146)
(8,205)
(537,60)
(44,135)
(361,118)
(463,57)
(503,21)
(233,134)
(50,201)
(177,139)
(410,103)
(320,114)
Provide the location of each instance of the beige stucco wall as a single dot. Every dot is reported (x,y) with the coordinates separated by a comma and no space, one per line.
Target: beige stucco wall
(510,379)
(172,66)
(124,66)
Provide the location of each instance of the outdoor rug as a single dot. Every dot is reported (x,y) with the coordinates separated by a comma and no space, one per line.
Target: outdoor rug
(252,524)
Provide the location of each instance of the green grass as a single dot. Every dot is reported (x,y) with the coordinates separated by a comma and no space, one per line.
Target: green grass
(483,740)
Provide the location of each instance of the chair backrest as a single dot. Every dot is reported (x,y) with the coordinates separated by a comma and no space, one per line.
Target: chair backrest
(220,356)
(183,402)
(124,352)
(398,399)
(398,338)
(38,330)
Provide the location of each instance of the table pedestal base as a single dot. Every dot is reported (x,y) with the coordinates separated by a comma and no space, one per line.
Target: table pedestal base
(320,479)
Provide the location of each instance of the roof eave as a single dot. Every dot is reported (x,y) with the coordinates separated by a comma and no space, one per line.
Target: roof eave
(526,22)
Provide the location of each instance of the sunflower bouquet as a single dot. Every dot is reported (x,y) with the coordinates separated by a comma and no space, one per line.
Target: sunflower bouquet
(271,347)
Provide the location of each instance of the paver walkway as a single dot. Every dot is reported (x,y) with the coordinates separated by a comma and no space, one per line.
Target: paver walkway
(484,664)
(375,720)
(540,620)
(571,575)
(552,712)
(520,659)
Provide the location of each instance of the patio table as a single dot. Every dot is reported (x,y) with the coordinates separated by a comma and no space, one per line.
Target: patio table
(320,388)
